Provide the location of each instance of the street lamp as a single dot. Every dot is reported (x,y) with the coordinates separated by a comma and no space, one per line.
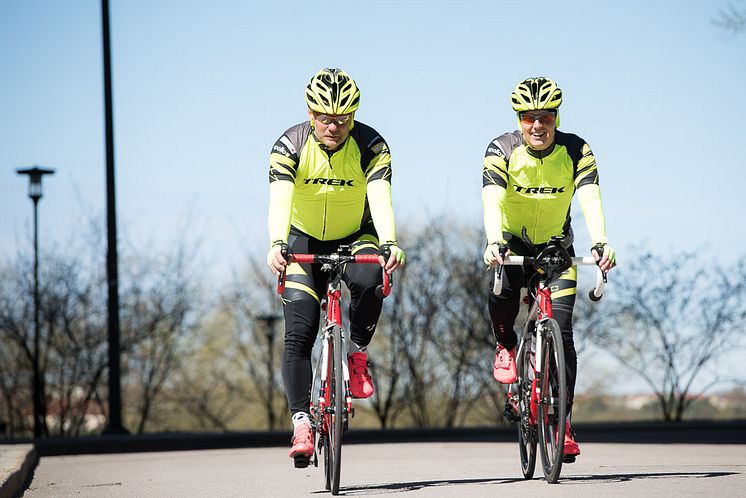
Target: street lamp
(269,334)
(35,175)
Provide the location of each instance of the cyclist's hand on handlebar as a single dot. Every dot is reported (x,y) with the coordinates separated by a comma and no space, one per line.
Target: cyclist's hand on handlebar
(605,256)
(396,258)
(494,253)
(275,260)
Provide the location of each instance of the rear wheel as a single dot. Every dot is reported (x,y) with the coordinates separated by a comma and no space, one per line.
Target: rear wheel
(526,430)
(552,400)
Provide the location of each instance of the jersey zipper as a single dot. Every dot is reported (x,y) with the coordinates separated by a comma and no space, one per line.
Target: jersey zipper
(326,195)
(538,208)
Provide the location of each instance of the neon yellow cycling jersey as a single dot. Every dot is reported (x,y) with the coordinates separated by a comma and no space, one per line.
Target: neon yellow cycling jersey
(332,194)
(523,187)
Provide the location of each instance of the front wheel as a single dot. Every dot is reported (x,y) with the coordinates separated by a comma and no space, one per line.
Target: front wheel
(334,415)
(526,427)
(552,400)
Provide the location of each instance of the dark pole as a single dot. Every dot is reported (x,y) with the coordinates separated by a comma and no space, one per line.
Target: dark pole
(269,331)
(38,417)
(35,175)
(114,425)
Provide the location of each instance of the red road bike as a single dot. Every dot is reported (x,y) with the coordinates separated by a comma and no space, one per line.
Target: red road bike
(538,398)
(331,401)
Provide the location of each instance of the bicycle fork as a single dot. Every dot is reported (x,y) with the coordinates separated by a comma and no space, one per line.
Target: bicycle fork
(334,317)
(535,384)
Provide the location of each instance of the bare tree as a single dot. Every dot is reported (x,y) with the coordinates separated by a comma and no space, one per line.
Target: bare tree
(159,316)
(256,315)
(411,317)
(669,320)
(731,19)
(72,352)
(157,297)
(431,356)
(465,333)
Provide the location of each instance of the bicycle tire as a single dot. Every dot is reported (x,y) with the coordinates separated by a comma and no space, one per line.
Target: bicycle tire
(327,463)
(526,430)
(552,410)
(336,410)
(325,420)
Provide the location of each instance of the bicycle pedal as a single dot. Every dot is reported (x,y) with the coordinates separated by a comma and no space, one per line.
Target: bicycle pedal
(568,458)
(301,461)
(510,413)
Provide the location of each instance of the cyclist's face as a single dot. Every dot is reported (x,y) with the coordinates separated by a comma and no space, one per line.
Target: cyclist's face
(332,135)
(538,128)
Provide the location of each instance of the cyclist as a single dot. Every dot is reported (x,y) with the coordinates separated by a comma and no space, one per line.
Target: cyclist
(329,184)
(528,180)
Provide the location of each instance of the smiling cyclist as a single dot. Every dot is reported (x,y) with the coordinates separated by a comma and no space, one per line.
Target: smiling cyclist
(329,185)
(528,180)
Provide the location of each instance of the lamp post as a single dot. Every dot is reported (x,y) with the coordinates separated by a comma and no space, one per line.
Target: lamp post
(114,423)
(269,334)
(35,175)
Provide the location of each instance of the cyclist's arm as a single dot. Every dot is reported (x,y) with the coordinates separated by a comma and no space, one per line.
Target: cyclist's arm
(282,168)
(492,201)
(589,195)
(378,190)
(590,202)
(280,203)
(494,185)
(382,211)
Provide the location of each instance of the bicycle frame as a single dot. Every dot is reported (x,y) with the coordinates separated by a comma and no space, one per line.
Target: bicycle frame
(541,310)
(333,324)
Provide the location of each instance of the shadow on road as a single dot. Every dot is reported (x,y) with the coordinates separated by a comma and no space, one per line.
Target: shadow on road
(413,486)
(595,479)
(609,478)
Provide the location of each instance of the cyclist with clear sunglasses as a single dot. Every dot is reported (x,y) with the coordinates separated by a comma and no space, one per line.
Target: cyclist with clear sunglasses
(529,177)
(329,185)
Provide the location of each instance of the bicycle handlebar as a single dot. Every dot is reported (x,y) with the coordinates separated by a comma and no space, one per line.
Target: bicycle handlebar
(382,291)
(595,293)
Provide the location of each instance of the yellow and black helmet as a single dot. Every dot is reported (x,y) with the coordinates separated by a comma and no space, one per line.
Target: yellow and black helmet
(535,94)
(332,91)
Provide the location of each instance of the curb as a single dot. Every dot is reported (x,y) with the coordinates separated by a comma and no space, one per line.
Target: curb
(695,432)
(17,465)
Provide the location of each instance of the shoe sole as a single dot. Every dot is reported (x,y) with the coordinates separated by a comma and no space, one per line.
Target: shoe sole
(301,461)
(505,381)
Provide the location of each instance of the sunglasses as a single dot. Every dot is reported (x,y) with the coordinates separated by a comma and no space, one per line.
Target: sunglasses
(545,118)
(337,120)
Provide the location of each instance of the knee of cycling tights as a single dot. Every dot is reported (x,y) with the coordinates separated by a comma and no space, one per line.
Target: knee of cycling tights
(362,279)
(301,327)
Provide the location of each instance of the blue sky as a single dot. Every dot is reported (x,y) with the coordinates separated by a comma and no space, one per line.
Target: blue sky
(203,89)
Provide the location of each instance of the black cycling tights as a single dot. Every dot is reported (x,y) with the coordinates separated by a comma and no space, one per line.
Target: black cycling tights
(306,283)
(504,310)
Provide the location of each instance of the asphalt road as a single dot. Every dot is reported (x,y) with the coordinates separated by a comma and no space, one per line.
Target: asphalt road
(403,469)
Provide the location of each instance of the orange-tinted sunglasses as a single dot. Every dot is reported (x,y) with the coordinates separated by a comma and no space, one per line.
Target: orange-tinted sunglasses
(545,118)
